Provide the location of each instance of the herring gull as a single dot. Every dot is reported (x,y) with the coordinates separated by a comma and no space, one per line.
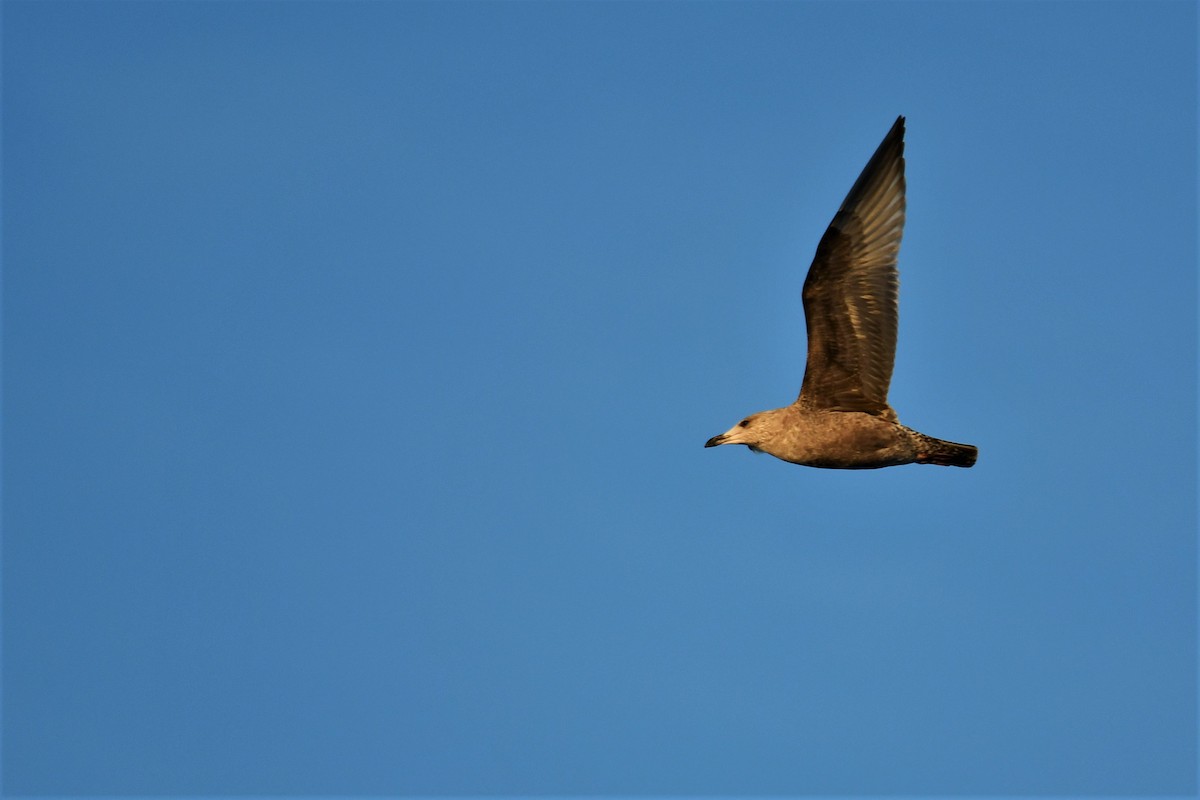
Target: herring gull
(842,419)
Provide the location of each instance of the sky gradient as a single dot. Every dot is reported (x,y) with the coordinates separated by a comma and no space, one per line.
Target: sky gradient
(358,359)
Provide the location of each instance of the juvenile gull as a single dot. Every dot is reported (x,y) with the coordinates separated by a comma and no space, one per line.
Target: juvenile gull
(842,419)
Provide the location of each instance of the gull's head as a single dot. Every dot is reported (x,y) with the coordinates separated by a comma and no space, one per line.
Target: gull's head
(751,431)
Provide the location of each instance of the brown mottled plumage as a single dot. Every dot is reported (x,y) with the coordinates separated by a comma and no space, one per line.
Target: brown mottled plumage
(842,419)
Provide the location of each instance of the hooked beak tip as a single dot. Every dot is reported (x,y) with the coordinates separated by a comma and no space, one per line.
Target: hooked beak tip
(716,440)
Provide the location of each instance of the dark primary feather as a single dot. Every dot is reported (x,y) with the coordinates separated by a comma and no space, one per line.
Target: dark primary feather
(850,295)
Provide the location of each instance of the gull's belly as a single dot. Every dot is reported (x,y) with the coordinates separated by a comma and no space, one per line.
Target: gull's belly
(845,440)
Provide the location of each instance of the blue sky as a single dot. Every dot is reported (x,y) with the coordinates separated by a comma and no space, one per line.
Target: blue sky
(358,359)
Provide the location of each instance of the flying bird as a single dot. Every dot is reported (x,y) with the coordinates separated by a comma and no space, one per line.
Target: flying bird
(842,419)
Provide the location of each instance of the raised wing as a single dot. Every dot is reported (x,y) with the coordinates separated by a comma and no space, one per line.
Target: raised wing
(850,295)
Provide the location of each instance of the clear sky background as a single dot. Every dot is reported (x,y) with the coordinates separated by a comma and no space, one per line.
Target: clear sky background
(358,359)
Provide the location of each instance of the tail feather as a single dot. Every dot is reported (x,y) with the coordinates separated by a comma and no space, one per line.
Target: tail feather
(945,454)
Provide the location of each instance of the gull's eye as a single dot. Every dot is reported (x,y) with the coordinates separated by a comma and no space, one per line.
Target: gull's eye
(744,423)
